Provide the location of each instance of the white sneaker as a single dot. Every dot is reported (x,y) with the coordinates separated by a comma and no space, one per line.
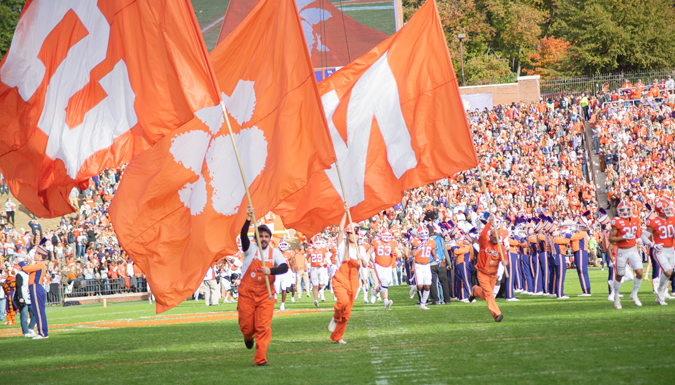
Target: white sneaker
(514,299)
(584,295)
(379,299)
(316,303)
(538,293)
(341,342)
(388,303)
(610,297)
(620,295)
(283,306)
(517,291)
(332,325)
(413,290)
(564,297)
(372,298)
(635,299)
(39,337)
(31,333)
(465,300)
(667,296)
(424,307)
(292,299)
(617,303)
(659,300)
(365,300)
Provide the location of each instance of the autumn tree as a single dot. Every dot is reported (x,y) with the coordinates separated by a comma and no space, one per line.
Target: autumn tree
(9,17)
(551,58)
(609,35)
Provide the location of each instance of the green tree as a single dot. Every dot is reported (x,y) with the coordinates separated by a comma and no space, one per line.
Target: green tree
(610,35)
(9,17)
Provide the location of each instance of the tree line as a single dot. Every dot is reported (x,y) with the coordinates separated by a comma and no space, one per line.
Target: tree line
(553,38)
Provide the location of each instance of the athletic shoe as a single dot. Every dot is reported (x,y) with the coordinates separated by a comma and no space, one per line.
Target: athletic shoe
(465,300)
(564,297)
(413,290)
(249,344)
(667,296)
(617,303)
(635,299)
(424,307)
(316,303)
(499,318)
(538,293)
(584,295)
(660,301)
(472,298)
(39,337)
(341,342)
(518,291)
(388,303)
(299,295)
(372,298)
(307,295)
(514,299)
(263,364)
(332,325)
(434,303)
(603,269)
(610,297)
(379,299)
(365,300)
(283,306)
(292,299)
(31,333)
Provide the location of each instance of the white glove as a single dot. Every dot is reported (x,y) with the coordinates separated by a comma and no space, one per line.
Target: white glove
(629,236)
(658,247)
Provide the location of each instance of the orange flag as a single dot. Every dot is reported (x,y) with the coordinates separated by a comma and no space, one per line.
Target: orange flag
(87,85)
(397,122)
(181,204)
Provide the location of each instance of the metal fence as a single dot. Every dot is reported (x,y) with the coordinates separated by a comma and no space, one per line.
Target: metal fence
(58,293)
(551,88)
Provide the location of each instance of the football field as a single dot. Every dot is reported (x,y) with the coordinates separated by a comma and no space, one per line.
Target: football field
(541,341)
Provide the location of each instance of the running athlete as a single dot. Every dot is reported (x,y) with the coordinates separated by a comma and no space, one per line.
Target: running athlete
(625,230)
(283,281)
(422,247)
(659,235)
(318,274)
(385,250)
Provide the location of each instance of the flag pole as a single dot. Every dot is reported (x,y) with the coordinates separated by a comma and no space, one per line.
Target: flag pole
(344,199)
(492,220)
(248,195)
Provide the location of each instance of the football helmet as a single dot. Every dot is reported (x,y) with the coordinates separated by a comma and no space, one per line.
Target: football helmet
(423,233)
(625,209)
(385,236)
(663,208)
(283,245)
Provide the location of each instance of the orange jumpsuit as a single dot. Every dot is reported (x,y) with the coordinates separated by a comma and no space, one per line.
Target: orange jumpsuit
(345,284)
(486,266)
(255,308)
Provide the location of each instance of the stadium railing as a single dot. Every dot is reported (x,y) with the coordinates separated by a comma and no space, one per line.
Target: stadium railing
(58,293)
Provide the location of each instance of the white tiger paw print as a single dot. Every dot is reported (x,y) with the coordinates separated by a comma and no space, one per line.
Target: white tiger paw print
(191,149)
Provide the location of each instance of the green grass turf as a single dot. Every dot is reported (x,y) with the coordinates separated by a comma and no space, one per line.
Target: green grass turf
(541,340)
(379,19)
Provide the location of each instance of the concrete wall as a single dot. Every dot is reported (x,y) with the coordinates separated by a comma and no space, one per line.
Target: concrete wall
(526,89)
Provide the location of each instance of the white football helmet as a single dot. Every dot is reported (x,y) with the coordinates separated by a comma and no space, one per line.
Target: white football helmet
(625,209)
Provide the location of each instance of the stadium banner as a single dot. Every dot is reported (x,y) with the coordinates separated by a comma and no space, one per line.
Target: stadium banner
(477,101)
(80,92)
(338,31)
(397,122)
(181,205)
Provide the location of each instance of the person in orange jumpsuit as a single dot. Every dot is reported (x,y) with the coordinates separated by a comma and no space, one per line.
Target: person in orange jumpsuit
(486,266)
(254,307)
(350,256)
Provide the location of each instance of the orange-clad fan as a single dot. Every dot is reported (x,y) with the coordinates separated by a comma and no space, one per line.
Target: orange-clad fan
(255,308)
(350,257)
(487,266)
